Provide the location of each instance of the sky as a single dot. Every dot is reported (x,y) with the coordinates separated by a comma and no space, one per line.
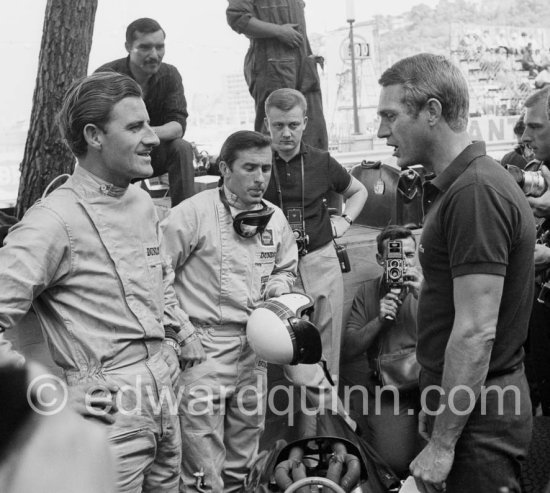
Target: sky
(199,42)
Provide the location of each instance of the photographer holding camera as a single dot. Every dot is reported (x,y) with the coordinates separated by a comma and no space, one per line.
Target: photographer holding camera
(382,324)
(537,136)
(303,176)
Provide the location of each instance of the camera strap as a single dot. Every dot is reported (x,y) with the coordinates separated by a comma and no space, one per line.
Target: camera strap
(280,192)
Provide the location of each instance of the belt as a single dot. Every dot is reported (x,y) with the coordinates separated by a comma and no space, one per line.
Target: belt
(137,353)
(228,329)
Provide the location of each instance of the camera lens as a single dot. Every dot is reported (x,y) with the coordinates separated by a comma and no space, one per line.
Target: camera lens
(533,183)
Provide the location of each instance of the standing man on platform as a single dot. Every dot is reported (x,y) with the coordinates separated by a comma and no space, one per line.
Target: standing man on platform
(476,253)
(302,178)
(165,101)
(280,56)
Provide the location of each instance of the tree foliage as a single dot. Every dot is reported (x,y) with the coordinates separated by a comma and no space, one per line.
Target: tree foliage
(64,53)
(424,28)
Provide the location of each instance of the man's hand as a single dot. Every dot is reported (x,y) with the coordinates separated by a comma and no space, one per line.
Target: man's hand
(171,357)
(542,257)
(413,281)
(289,35)
(541,205)
(192,352)
(339,226)
(431,468)
(94,400)
(389,306)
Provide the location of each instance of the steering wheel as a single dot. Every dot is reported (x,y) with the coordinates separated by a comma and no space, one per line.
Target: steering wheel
(314,481)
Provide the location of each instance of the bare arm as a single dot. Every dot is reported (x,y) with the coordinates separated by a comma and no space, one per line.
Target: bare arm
(169,131)
(356,196)
(477,301)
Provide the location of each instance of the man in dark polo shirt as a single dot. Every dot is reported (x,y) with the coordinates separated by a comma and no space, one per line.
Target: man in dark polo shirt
(476,253)
(165,102)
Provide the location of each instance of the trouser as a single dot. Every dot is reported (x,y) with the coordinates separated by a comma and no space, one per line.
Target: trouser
(495,440)
(145,438)
(392,427)
(539,351)
(222,411)
(319,276)
(175,157)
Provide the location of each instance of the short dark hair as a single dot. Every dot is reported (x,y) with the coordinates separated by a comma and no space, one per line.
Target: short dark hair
(425,76)
(285,99)
(537,97)
(519,126)
(144,25)
(241,141)
(392,232)
(90,100)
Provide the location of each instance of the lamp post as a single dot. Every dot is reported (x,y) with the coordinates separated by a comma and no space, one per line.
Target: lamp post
(350,15)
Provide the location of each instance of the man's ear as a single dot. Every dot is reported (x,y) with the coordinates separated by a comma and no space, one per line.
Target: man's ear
(434,109)
(379,259)
(305,122)
(128,47)
(266,122)
(224,168)
(93,136)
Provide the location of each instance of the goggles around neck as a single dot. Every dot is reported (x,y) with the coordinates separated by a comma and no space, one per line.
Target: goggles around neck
(249,223)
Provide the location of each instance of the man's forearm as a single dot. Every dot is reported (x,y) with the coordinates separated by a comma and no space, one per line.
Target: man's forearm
(466,365)
(359,339)
(261,29)
(169,131)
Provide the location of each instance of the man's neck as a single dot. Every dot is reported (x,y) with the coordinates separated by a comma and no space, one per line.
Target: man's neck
(141,77)
(287,156)
(446,149)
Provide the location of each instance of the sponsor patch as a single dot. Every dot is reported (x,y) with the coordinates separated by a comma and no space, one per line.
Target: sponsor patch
(261,364)
(267,237)
(152,253)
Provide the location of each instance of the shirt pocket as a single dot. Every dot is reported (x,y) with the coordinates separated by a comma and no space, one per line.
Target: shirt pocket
(264,263)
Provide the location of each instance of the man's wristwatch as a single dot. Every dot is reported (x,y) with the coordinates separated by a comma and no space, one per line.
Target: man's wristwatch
(348,219)
(173,344)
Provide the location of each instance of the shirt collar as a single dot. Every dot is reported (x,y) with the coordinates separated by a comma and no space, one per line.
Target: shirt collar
(152,80)
(458,166)
(303,150)
(235,202)
(97,184)
(442,182)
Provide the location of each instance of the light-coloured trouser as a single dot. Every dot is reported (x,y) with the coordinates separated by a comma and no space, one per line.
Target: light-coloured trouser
(222,411)
(145,438)
(320,276)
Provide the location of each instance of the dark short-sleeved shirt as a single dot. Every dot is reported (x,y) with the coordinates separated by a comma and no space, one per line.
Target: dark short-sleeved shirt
(477,221)
(322,174)
(165,100)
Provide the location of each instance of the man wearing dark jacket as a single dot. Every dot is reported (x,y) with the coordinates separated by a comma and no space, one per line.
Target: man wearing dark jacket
(165,102)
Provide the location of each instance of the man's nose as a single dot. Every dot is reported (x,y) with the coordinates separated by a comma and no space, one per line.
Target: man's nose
(151,138)
(259,175)
(286,131)
(383,131)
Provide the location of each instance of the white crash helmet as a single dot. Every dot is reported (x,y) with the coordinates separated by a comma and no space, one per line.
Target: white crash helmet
(278,335)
